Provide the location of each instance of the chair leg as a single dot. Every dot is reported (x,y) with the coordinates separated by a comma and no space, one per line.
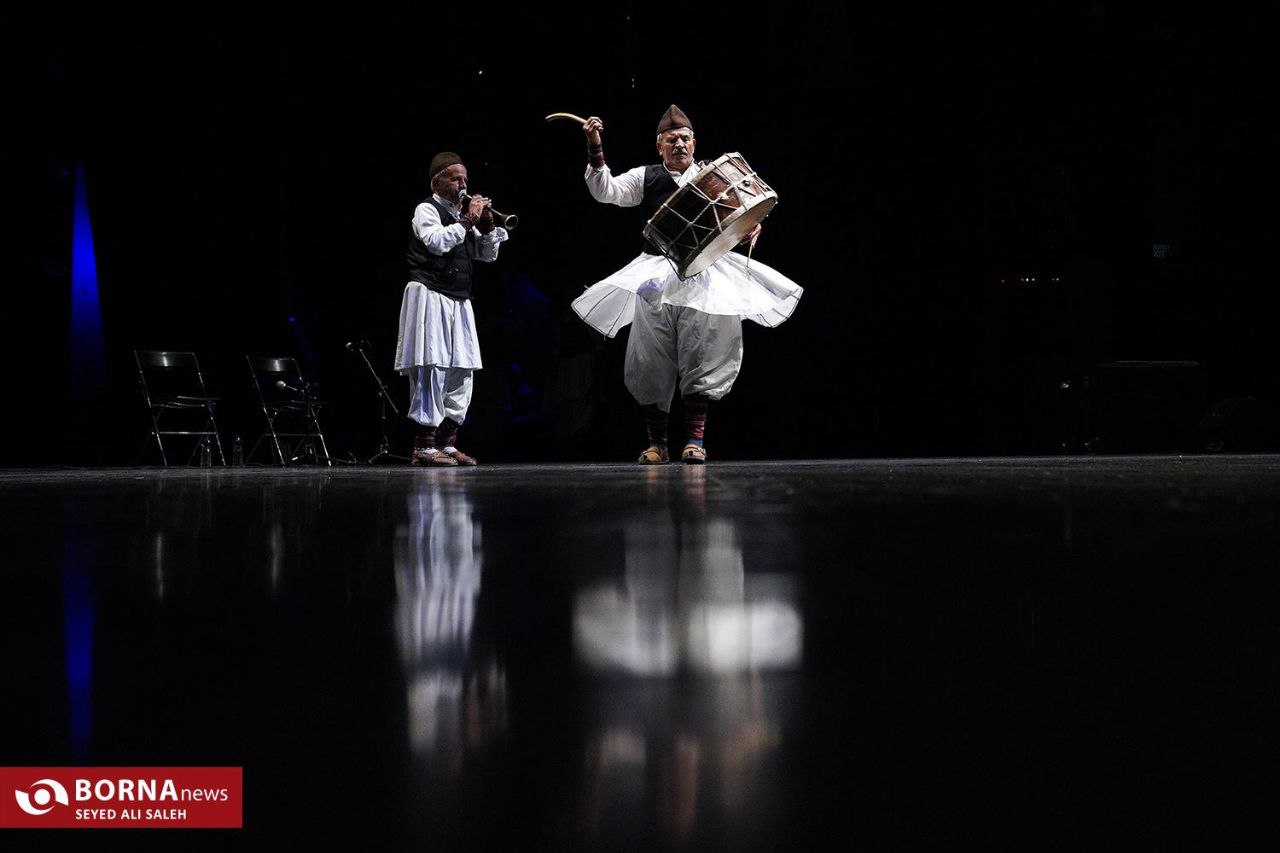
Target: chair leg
(275,442)
(314,432)
(142,451)
(323,448)
(155,433)
(217,439)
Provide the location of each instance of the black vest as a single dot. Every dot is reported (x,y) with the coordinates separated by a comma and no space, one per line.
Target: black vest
(658,187)
(449,273)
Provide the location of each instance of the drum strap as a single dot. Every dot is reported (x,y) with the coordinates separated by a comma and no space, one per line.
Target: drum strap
(750,249)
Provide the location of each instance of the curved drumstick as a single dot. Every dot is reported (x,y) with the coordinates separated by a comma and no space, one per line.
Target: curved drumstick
(568,116)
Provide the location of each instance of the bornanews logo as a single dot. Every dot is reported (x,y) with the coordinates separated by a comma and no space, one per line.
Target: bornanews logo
(133,797)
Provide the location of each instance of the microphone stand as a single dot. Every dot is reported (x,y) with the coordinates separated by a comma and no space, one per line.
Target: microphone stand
(384,400)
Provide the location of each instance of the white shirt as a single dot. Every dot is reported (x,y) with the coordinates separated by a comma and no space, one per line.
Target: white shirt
(439,238)
(627,190)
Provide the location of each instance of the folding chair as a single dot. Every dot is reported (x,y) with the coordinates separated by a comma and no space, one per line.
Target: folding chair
(291,411)
(171,383)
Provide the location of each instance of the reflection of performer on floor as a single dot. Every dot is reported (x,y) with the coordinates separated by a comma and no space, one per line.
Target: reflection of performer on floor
(684,648)
(456,692)
(438,348)
(685,335)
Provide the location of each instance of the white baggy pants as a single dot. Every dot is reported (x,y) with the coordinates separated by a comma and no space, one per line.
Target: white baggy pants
(677,347)
(436,393)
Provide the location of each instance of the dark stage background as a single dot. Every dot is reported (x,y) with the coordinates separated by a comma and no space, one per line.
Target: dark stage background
(250,188)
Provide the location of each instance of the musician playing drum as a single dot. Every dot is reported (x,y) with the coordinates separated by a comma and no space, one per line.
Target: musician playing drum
(686,334)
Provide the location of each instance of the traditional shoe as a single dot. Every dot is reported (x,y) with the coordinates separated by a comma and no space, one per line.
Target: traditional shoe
(430,458)
(694,455)
(460,457)
(654,456)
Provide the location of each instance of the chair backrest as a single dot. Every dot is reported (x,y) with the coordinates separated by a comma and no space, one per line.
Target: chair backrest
(268,370)
(164,374)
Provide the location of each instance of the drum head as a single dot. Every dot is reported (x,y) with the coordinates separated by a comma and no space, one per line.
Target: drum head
(733,230)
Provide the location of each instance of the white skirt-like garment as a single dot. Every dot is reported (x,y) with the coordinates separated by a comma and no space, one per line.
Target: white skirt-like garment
(754,291)
(436,331)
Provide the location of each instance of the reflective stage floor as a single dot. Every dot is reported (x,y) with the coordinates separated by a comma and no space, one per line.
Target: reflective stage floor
(1048,653)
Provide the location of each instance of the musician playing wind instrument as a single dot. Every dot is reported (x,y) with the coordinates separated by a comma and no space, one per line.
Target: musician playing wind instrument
(438,348)
(686,334)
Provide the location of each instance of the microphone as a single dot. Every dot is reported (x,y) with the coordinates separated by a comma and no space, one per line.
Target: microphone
(357,346)
(283,386)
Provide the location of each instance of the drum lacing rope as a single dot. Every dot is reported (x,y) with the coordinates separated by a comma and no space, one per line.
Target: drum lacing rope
(747,180)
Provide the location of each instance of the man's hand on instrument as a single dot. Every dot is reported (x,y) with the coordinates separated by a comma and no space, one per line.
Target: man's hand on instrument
(592,128)
(752,236)
(477,206)
(485,223)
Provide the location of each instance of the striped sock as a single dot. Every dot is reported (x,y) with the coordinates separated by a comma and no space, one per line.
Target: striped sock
(695,419)
(655,424)
(424,438)
(447,436)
